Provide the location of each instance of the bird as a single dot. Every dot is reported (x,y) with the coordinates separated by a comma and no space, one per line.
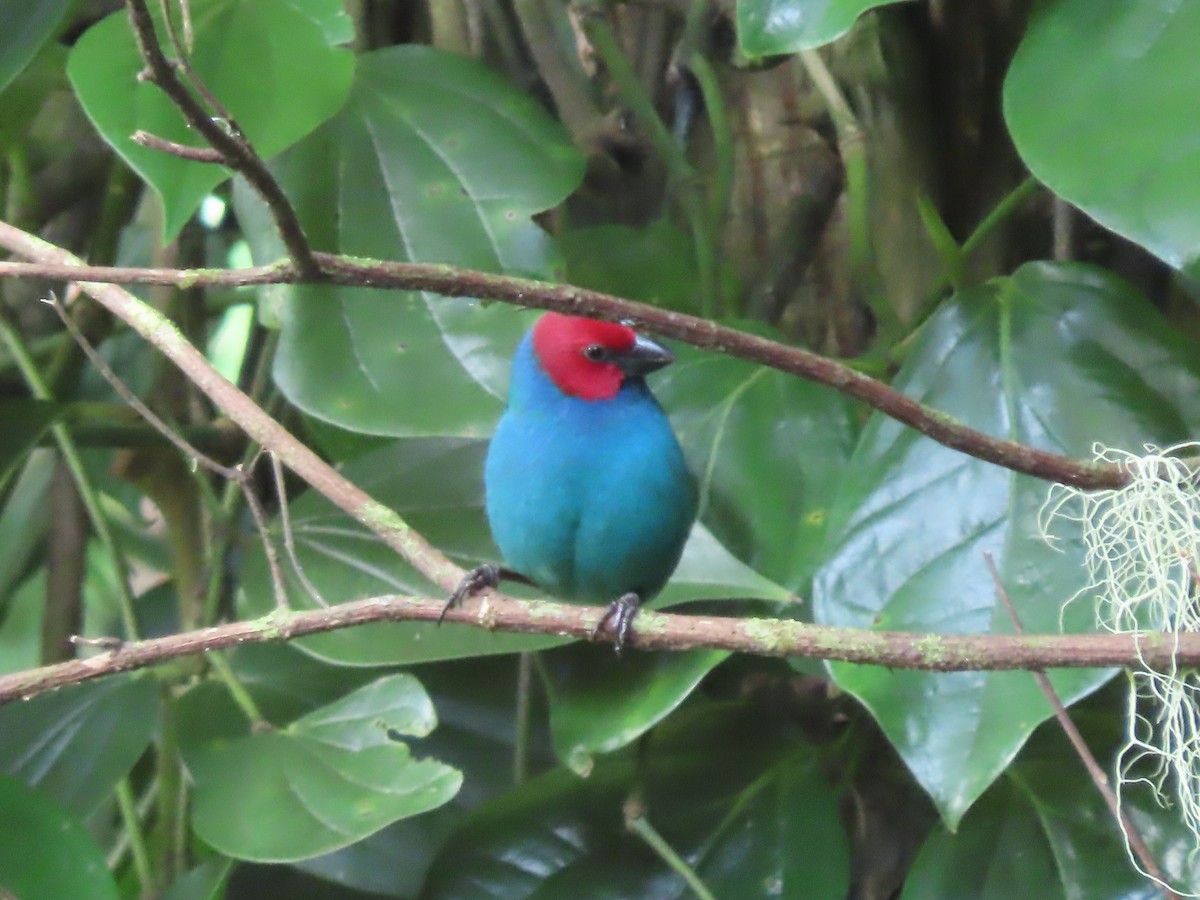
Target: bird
(587,492)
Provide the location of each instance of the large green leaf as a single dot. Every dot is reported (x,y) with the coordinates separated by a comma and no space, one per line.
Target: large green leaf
(329,779)
(476,734)
(437,486)
(1100,100)
(75,744)
(435,158)
(1045,832)
(1055,357)
(768,450)
(273,64)
(754,816)
(24,27)
(44,853)
(769,27)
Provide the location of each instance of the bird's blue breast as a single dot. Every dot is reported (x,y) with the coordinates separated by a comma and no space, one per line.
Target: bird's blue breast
(590,499)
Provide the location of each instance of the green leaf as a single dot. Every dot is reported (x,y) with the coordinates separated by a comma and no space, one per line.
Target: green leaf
(1056,357)
(437,486)
(1100,102)
(271,63)
(768,450)
(75,744)
(24,27)
(435,158)
(329,779)
(770,27)
(476,703)
(25,421)
(734,809)
(476,733)
(44,853)
(1046,832)
(600,702)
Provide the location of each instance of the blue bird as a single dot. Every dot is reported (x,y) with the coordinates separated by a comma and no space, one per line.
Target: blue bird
(588,494)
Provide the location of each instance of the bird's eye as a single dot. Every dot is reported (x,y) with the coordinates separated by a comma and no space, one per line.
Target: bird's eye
(594,352)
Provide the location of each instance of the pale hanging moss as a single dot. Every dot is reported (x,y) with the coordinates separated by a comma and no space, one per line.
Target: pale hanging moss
(1142,558)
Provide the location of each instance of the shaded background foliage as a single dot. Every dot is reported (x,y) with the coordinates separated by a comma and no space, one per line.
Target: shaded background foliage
(991,205)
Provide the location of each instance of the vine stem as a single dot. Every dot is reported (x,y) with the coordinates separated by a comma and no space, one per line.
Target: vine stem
(133,829)
(636,821)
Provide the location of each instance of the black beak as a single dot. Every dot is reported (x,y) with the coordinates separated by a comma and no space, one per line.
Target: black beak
(644,357)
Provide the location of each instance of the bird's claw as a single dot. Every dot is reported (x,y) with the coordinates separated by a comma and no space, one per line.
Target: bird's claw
(479,578)
(619,616)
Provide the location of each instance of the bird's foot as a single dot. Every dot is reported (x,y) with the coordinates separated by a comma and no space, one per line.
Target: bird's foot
(478,579)
(619,616)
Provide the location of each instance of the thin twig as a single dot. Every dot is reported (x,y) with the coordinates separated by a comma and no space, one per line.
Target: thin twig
(1098,775)
(237,152)
(452,282)
(289,543)
(278,585)
(238,474)
(183,151)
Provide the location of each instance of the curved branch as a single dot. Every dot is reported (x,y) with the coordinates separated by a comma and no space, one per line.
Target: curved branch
(650,631)
(449,281)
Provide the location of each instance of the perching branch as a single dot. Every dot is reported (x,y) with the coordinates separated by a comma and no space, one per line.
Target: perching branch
(454,282)
(223,136)
(650,631)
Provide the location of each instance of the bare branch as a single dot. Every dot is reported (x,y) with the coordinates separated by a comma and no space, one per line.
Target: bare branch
(452,282)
